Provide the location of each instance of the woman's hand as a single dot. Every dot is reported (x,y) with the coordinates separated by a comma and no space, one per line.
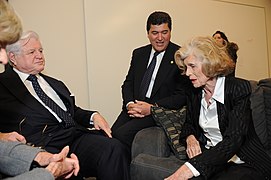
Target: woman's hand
(193,147)
(183,173)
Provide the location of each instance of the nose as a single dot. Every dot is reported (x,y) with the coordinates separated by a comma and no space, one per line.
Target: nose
(38,54)
(160,36)
(187,72)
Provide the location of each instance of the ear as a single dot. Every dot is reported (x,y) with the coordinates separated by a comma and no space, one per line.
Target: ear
(12,58)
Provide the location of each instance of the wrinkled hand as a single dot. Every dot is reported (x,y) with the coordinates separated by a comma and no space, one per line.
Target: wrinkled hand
(193,147)
(71,166)
(44,158)
(12,136)
(183,173)
(139,109)
(134,110)
(100,123)
(61,166)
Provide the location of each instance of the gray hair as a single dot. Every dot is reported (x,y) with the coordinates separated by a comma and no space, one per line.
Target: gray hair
(17,46)
(215,59)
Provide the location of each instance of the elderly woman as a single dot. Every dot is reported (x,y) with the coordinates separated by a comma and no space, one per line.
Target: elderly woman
(218,132)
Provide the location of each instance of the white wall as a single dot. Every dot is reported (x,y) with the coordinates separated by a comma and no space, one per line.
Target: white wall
(60,24)
(88,43)
(121,28)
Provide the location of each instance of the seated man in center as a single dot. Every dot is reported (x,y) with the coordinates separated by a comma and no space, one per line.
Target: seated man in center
(143,88)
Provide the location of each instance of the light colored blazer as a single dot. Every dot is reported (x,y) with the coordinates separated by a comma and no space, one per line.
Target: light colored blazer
(16,159)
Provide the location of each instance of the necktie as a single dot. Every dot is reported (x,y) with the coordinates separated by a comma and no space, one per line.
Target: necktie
(147,77)
(67,119)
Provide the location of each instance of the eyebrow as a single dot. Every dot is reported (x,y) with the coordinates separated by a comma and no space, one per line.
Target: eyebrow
(191,63)
(166,30)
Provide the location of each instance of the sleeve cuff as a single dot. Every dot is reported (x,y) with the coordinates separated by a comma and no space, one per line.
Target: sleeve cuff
(91,118)
(194,171)
(131,102)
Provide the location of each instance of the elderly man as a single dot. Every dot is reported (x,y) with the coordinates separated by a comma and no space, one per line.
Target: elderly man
(46,114)
(17,159)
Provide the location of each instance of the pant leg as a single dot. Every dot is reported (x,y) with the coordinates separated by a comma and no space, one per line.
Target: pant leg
(102,157)
(122,119)
(127,131)
(238,172)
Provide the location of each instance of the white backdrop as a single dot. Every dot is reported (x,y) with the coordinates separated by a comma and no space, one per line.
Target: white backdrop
(88,43)
(115,28)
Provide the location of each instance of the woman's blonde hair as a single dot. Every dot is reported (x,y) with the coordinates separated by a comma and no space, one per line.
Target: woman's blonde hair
(10,24)
(215,60)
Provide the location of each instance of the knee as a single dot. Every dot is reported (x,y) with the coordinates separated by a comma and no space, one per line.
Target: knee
(120,133)
(116,145)
(117,149)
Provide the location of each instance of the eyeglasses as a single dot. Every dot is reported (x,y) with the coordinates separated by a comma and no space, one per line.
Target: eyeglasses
(22,122)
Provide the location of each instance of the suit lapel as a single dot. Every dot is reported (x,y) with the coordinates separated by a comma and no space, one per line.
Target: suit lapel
(165,67)
(14,84)
(56,85)
(222,109)
(144,63)
(141,66)
(61,90)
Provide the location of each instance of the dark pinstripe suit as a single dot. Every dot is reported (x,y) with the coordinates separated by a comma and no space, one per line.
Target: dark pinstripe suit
(236,126)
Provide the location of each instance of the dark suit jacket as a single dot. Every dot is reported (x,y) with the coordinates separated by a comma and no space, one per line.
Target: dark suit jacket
(17,103)
(236,126)
(168,89)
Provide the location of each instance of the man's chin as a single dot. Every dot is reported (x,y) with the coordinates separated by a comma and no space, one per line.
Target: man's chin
(160,48)
(40,69)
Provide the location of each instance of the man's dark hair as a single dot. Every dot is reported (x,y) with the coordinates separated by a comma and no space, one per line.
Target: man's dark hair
(158,18)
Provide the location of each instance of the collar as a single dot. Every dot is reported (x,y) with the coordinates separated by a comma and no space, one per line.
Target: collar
(23,76)
(219,90)
(161,54)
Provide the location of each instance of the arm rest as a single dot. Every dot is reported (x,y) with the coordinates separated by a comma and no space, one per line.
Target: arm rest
(151,141)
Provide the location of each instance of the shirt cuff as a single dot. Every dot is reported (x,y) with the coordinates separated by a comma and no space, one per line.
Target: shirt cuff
(194,171)
(91,118)
(128,104)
